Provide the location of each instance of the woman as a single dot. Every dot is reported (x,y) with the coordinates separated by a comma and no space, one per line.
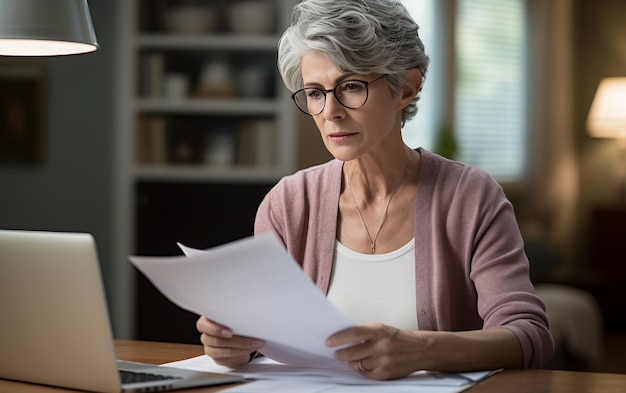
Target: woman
(422,252)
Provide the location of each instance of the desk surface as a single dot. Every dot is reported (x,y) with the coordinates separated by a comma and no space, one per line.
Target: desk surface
(510,381)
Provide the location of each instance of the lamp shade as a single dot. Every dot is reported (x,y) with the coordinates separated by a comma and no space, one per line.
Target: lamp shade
(607,116)
(45,28)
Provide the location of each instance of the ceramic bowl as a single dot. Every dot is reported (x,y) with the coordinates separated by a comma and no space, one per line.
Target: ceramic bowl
(191,19)
(251,17)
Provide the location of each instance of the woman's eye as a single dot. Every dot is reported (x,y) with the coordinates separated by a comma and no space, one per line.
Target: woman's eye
(314,94)
(352,87)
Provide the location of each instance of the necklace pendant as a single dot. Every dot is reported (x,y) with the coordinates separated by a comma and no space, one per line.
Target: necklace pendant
(382,219)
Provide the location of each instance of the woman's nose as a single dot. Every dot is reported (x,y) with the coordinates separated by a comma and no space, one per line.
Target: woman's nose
(332,108)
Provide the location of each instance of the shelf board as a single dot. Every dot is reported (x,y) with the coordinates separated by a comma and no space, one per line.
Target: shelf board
(181,173)
(203,42)
(209,106)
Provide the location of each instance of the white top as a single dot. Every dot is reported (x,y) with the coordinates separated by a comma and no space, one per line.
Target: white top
(375,288)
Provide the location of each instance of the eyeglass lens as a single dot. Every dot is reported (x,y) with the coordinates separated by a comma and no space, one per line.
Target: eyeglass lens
(351,94)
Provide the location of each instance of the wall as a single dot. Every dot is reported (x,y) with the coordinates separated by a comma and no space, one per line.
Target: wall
(599,51)
(71,189)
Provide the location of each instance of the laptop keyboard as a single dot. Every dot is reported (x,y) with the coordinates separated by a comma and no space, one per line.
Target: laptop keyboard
(136,377)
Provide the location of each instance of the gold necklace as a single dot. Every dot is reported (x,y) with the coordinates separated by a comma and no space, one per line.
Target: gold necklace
(382,219)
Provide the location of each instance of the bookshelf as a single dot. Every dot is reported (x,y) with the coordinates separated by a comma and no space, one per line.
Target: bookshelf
(206,92)
(200,106)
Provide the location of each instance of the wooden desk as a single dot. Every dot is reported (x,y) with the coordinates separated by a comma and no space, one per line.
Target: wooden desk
(510,381)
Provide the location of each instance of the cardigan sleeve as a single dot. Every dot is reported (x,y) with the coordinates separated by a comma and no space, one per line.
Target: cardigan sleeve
(500,273)
(471,268)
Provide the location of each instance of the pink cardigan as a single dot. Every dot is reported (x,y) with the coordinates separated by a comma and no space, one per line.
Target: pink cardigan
(471,271)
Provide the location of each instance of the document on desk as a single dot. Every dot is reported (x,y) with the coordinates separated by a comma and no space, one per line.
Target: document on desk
(271,376)
(254,287)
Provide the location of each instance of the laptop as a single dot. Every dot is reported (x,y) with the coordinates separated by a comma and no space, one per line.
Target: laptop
(54,322)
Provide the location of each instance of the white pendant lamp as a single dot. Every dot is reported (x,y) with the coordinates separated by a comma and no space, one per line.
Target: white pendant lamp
(45,28)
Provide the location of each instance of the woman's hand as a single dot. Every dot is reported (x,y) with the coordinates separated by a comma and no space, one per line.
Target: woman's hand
(376,351)
(225,348)
(383,352)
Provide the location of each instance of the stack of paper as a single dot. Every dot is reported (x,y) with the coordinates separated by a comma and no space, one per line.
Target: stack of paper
(270,376)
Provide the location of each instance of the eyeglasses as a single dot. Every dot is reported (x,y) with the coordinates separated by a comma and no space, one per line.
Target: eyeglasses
(352,94)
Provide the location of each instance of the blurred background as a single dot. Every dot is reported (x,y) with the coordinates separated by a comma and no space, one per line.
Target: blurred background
(178,125)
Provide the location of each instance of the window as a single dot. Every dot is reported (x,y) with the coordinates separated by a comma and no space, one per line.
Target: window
(488,103)
(489,114)
(421,130)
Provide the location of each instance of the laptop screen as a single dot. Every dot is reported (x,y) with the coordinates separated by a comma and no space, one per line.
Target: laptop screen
(55,325)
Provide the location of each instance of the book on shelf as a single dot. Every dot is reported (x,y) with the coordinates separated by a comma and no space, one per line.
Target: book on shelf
(152,140)
(153,65)
(256,144)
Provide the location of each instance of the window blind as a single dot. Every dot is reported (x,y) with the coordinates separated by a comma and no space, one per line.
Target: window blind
(490,96)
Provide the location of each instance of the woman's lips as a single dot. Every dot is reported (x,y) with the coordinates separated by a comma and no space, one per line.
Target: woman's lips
(339,137)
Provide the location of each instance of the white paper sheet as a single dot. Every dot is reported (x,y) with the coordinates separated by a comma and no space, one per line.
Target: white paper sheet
(308,387)
(292,386)
(269,375)
(254,287)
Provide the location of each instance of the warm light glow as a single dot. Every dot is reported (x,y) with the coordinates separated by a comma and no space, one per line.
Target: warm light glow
(45,28)
(42,48)
(607,116)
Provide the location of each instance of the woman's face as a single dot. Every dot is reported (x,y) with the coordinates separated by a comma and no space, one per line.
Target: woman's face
(351,133)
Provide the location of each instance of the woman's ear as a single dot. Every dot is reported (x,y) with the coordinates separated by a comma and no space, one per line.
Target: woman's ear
(411,85)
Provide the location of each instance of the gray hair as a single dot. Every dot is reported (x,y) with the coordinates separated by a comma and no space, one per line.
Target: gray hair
(359,36)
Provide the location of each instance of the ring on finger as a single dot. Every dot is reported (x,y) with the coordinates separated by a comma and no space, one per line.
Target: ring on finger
(360,366)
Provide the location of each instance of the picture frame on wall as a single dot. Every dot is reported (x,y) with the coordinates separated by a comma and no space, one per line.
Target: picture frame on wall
(22,110)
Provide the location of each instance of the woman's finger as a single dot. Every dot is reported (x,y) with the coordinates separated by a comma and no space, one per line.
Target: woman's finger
(207,326)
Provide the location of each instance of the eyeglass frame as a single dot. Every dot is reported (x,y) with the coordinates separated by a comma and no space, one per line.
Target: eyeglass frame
(334,91)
